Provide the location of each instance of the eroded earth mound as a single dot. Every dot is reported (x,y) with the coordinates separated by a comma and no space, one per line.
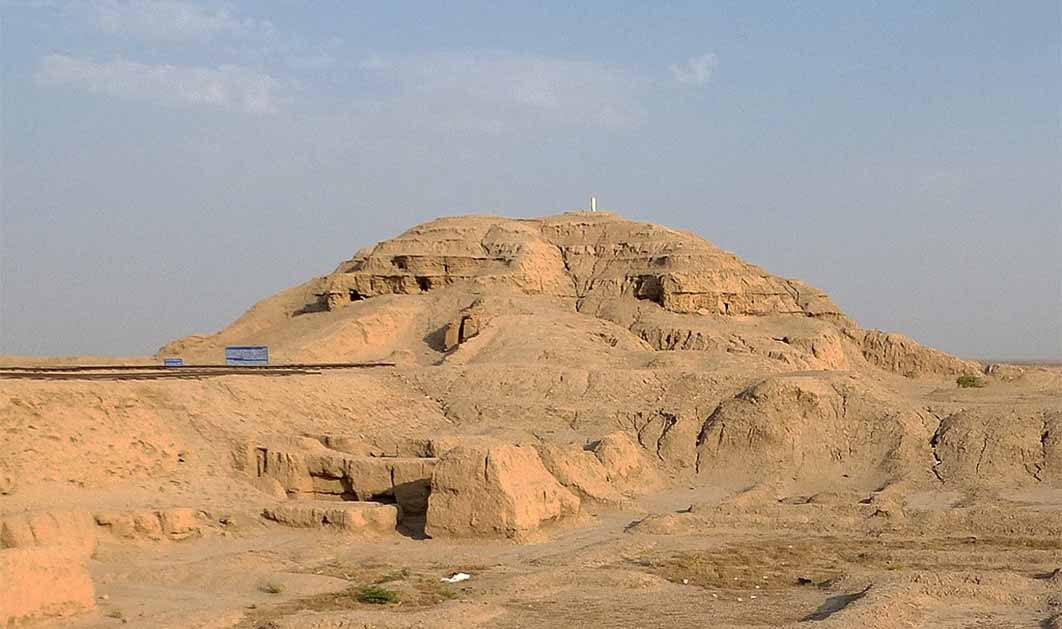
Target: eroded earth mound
(602,421)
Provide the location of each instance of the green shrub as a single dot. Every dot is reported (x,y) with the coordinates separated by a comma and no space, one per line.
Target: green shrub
(376,595)
(968,381)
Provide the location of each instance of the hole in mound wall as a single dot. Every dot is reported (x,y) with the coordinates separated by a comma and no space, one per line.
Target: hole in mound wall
(437,340)
(648,287)
(319,305)
(411,498)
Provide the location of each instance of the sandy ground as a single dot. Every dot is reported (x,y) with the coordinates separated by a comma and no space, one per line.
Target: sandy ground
(658,565)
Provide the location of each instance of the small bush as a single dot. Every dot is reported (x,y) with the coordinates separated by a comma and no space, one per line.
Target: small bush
(376,595)
(272,587)
(969,382)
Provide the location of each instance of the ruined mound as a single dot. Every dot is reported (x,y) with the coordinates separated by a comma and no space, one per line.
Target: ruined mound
(567,327)
(412,296)
(579,371)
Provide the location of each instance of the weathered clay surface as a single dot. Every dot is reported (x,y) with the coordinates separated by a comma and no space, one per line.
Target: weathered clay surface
(501,491)
(624,462)
(40,583)
(154,525)
(1016,446)
(71,529)
(581,472)
(900,354)
(813,428)
(348,517)
(331,475)
(573,255)
(42,565)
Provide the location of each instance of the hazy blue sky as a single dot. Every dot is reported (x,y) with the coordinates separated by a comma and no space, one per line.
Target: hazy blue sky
(168,163)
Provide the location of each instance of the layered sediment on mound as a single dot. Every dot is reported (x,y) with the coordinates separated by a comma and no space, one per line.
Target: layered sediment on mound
(586,256)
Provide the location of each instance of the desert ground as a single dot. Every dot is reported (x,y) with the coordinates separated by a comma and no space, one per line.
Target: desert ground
(603,423)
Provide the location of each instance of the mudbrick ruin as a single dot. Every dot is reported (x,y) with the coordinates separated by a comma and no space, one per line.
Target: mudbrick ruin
(595,420)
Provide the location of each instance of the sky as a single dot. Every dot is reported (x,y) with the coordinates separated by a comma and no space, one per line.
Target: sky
(167,163)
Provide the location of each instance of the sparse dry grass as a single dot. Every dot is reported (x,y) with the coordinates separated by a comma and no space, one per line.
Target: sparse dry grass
(271,587)
(376,595)
(397,575)
(817,561)
(406,590)
(767,566)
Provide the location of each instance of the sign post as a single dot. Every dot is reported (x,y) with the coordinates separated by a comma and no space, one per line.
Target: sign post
(247,355)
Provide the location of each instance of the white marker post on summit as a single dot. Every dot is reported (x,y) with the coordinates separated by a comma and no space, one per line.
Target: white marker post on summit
(593,204)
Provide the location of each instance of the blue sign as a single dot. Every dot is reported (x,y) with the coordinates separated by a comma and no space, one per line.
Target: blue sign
(246,355)
(173,362)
